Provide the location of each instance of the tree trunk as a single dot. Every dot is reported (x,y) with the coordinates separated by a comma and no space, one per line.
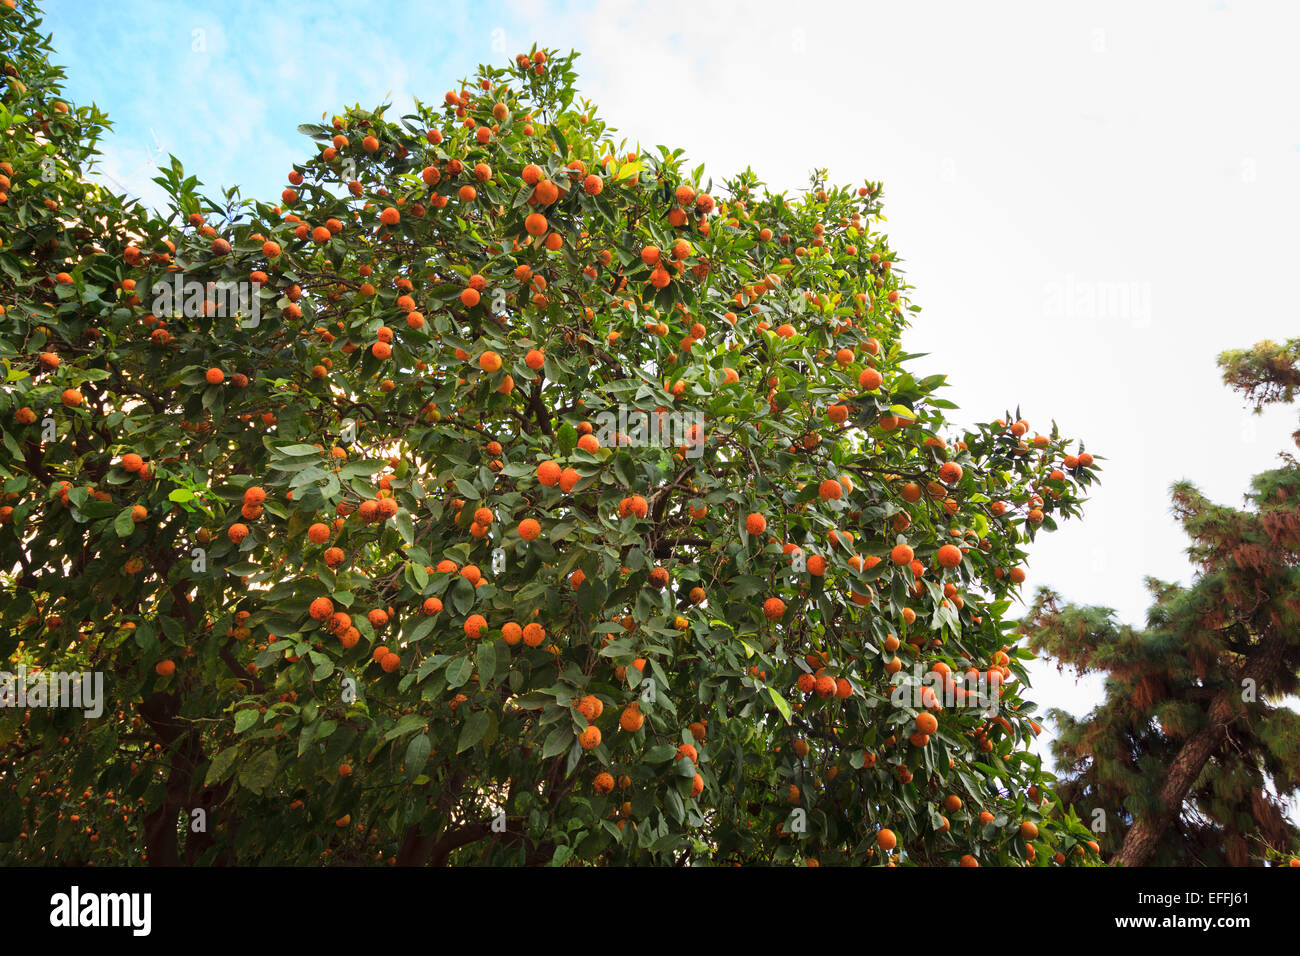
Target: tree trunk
(1146,832)
(180,795)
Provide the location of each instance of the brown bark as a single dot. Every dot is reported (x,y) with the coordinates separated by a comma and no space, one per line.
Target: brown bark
(417,848)
(1144,835)
(181,794)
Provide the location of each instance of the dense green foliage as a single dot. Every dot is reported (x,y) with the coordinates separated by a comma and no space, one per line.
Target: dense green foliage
(338,466)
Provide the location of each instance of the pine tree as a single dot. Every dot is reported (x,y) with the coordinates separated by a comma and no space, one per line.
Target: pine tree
(1192,751)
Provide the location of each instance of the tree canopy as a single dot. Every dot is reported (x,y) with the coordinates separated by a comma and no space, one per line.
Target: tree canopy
(503,493)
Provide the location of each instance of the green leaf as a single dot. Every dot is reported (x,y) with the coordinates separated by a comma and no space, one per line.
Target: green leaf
(487,662)
(676,808)
(459,671)
(258,773)
(221,766)
(780,702)
(557,741)
(421,630)
(473,730)
(417,755)
(405,527)
(559,140)
(124,524)
(567,437)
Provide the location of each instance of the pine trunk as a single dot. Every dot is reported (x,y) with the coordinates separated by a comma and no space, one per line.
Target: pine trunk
(1146,832)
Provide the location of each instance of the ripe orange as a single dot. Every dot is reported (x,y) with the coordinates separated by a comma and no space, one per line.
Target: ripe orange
(949,556)
(870,379)
(547,192)
(631,719)
(536,224)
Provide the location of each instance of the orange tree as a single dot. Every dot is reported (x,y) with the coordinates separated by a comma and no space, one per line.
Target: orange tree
(382,563)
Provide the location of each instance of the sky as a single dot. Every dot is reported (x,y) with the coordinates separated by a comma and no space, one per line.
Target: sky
(1091,200)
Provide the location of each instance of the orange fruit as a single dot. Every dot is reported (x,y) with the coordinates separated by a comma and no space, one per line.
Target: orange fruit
(870,379)
(536,224)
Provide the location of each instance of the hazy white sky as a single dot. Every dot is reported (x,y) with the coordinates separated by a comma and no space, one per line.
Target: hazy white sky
(1092,200)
